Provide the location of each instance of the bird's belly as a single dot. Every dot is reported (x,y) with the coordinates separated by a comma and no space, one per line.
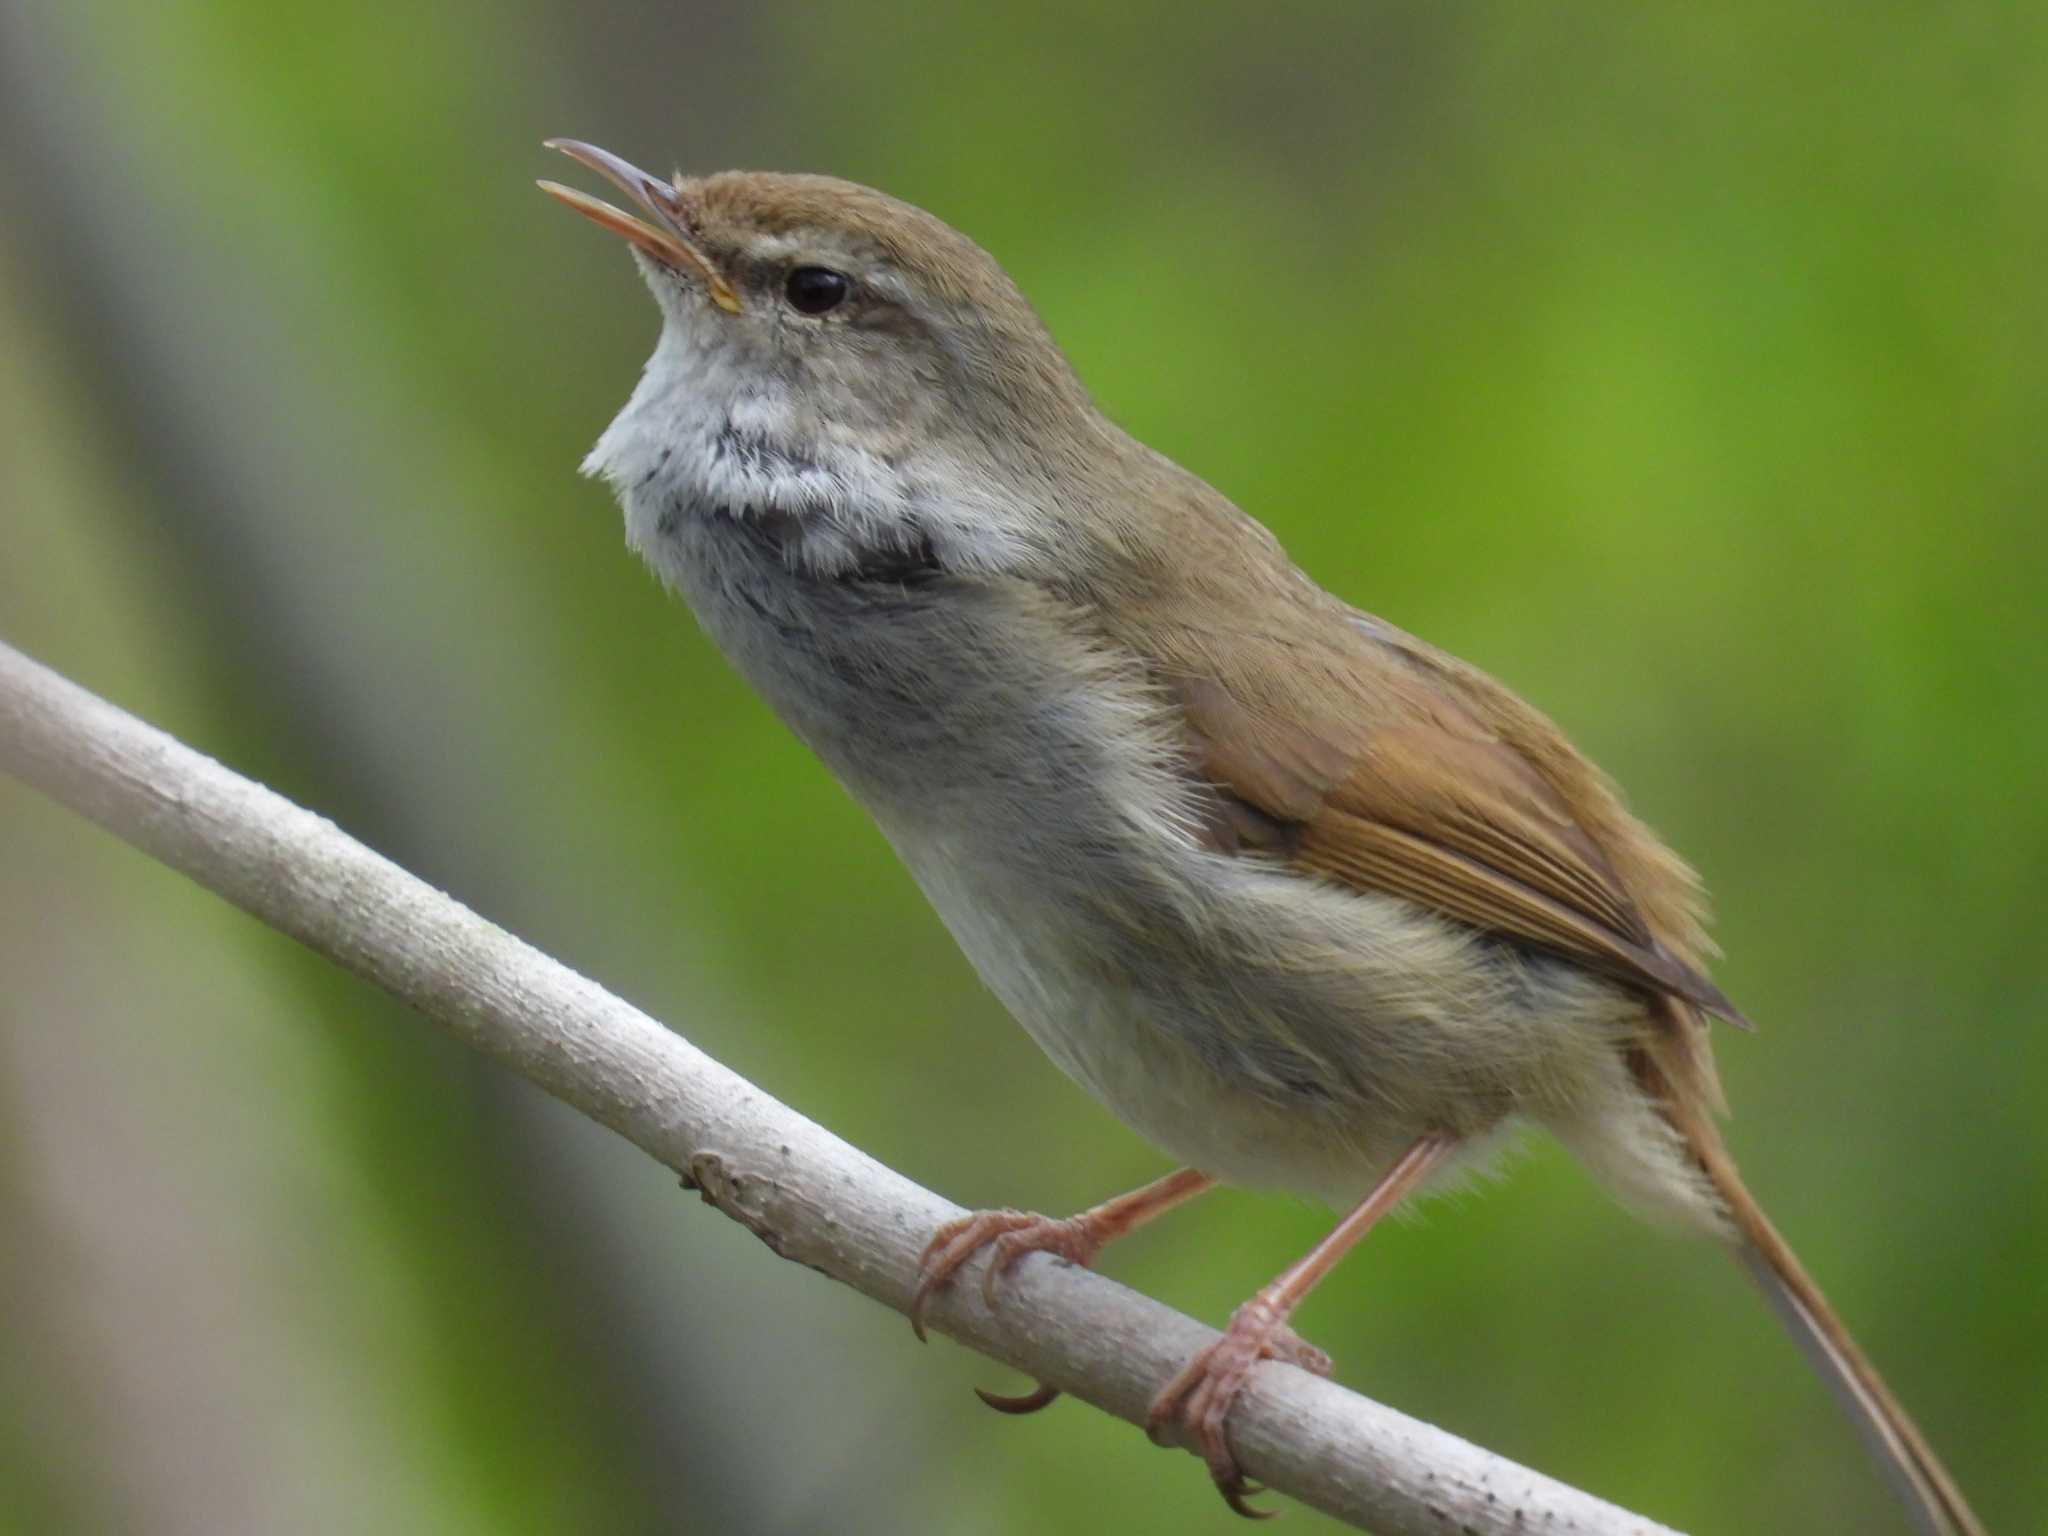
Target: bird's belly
(1176,1045)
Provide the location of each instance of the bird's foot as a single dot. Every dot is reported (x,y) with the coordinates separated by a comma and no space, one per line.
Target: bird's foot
(1011,1234)
(1200,1397)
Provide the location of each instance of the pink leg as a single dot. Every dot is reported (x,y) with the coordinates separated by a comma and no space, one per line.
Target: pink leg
(1013,1234)
(1199,1398)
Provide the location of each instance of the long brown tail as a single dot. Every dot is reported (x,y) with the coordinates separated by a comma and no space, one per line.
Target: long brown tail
(1923,1483)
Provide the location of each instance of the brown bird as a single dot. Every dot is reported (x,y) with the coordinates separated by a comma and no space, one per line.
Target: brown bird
(1306,901)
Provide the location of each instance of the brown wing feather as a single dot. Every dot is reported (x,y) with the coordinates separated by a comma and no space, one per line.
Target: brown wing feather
(1362,756)
(1429,804)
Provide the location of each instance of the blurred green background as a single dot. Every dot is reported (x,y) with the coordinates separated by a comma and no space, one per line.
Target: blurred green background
(1683,366)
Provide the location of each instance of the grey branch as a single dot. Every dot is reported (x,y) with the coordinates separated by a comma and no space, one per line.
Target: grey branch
(808,1195)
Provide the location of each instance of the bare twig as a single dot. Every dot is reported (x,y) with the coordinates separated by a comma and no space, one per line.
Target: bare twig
(808,1195)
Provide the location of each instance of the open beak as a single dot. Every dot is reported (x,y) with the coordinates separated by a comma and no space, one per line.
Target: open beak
(667,239)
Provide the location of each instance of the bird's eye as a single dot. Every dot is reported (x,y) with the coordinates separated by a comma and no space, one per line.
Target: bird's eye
(813,290)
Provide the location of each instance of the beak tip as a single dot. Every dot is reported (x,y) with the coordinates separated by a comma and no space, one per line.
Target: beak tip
(671,244)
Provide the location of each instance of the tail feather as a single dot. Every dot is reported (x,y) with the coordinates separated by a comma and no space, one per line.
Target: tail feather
(1923,1483)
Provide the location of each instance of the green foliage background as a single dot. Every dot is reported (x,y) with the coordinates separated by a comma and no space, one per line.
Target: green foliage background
(1683,365)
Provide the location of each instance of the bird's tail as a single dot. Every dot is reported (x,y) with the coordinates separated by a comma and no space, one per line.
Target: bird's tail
(1923,1483)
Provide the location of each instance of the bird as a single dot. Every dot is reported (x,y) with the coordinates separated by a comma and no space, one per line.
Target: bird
(1309,903)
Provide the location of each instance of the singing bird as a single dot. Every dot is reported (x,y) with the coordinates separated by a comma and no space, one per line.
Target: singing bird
(1304,900)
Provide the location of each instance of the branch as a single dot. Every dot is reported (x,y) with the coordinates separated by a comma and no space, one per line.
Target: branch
(808,1195)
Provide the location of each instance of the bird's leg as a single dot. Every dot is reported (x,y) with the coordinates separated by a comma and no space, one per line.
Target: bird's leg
(1199,1398)
(1013,1234)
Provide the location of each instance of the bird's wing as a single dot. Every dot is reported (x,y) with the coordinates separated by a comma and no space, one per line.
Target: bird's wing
(1415,794)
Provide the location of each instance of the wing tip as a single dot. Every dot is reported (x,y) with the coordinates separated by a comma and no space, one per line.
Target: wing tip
(1694,988)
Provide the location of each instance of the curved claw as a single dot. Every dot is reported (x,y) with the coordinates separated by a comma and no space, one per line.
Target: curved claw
(1200,1398)
(1012,1235)
(1236,1493)
(1027,1402)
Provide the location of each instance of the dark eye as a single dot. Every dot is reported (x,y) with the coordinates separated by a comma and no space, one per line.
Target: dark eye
(813,290)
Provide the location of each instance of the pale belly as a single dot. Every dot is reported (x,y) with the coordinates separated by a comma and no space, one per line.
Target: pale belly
(1180,1054)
